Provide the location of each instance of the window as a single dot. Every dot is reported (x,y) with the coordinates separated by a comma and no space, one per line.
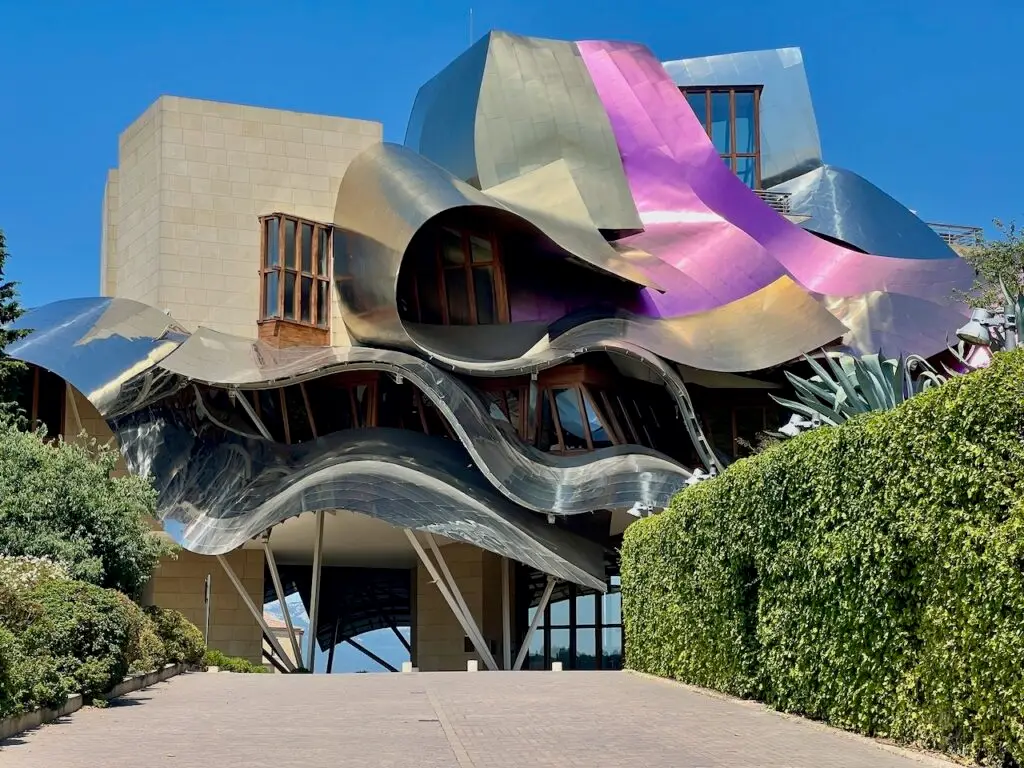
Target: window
(459,281)
(295,273)
(730,117)
(583,630)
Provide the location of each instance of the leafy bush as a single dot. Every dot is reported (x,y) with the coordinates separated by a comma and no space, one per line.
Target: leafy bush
(215,658)
(870,575)
(152,652)
(183,641)
(90,633)
(27,682)
(60,501)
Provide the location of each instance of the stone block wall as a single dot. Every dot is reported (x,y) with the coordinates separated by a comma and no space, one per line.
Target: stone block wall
(209,171)
(178,584)
(440,642)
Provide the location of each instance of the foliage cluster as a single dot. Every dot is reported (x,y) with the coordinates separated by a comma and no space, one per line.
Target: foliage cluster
(996,263)
(10,310)
(870,575)
(215,658)
(61,501)
(61,636)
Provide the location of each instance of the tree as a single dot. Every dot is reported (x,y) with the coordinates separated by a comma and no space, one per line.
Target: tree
(61,501)
(10,310)
(995,260)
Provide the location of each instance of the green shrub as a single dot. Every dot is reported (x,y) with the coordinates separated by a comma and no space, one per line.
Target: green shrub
(183,641)
(870,575)
(90,633)
(215,658)
(152,651)
(60,500)
(27,682)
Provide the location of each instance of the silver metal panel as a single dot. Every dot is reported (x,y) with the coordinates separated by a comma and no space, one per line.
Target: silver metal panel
(224,490)
(610,478)
(512,104)
(789,130)
(388,193)
(847,207)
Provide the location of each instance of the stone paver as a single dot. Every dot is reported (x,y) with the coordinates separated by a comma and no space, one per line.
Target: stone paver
(449,720)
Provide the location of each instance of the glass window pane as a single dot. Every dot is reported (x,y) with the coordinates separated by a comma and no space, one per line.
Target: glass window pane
(458,296)
(699,104)
(429,295)
(483,288)
(272,236)
(546,436)
(321,261)
(560,647)
(599,435)
(586,649)
(611,648)
(720,123)
(512,400)
(745,136)
(271,308)
(727,159)
(306,300)
(451,247)
(560,614)
(611,608)
(536,657)
(480,249)
(323,311)
(289,295)
(342,266)
(364,395)
(745,169)
(307,247)
(289,243)
(585,605)
(568,403)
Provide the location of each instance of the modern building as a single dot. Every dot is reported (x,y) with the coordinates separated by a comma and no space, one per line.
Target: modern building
(429,384)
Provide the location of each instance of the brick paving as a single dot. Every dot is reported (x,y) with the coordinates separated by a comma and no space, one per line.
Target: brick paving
(449,720)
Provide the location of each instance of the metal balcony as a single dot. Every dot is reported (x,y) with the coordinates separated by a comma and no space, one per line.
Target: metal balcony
(958,234)
(777,200)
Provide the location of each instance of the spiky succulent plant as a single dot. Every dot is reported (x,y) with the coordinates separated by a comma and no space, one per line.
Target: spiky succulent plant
(853,385)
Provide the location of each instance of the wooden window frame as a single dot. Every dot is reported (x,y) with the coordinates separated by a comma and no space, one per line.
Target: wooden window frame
(501,308)
(731,157)
(282,270)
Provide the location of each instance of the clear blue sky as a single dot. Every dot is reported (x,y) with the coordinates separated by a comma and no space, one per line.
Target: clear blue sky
(920,96)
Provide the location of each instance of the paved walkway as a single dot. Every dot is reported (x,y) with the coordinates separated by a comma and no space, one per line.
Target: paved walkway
(449,720)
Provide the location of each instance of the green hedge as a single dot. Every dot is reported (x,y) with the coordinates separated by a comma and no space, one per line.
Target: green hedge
(60,636)
(215,658)
(870,575)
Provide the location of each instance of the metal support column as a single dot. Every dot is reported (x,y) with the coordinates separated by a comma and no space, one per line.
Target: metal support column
(506,616)
(537,617)
(256,614)
(314,597)
(466,622)
(367,652)
(457,594)
(334,643)
(275,577)
(241,399)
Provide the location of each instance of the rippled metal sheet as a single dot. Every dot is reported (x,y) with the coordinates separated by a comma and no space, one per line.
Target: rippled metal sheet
(101,345)
(512,104)
(709,212)
(224,489)
(847,207)
(789,131)
(610,478)
(387,194)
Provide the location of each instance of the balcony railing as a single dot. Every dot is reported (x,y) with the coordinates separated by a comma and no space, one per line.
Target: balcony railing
(957,234)
(777,200)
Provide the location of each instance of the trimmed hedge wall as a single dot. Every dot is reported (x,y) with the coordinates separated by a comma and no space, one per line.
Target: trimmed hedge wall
(869,575)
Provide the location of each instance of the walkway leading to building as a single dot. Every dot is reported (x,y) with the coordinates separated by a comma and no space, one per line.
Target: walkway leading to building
(449,720)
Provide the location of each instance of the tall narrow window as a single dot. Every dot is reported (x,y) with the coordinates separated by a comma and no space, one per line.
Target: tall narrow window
(295,284)
(462,283)
(730,117)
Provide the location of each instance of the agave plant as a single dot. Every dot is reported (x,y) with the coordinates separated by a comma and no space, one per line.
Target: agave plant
(855,385)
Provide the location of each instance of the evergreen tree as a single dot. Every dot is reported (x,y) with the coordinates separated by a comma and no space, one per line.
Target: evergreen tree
(10,370)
